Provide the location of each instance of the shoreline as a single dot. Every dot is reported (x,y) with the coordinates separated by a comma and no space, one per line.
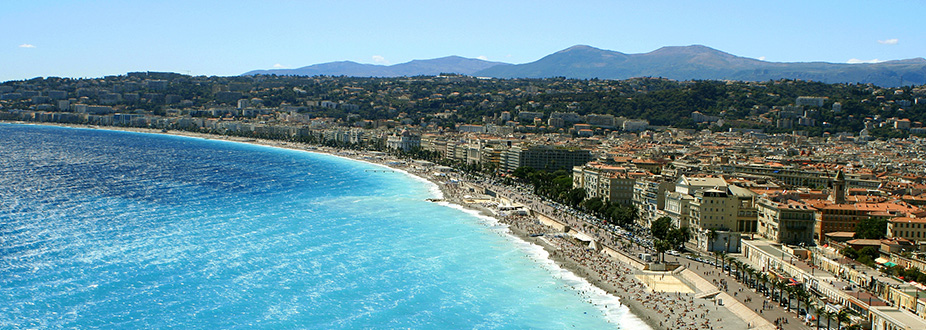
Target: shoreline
(628,297)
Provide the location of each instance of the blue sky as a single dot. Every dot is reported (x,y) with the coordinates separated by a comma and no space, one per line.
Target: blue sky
(96,38)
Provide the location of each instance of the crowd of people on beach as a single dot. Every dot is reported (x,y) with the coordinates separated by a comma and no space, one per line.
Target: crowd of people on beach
(671,310)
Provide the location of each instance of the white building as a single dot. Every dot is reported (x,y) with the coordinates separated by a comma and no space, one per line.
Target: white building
(635,125)
(404,141)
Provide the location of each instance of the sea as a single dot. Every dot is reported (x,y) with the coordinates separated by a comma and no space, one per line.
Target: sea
(124,230)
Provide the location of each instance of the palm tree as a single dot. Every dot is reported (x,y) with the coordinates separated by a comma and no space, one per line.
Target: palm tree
(730,260)
(763,279)
(802,295)
(842,317)
(829,316)
(736,268)
(818,310)
(782,288)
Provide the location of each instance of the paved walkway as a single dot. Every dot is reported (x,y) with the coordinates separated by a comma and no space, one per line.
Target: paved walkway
(754,308)
(751,306)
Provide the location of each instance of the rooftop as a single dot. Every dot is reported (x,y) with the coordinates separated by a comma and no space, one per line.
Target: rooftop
(899,316)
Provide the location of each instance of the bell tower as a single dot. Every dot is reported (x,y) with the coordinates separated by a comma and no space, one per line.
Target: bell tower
(838,195)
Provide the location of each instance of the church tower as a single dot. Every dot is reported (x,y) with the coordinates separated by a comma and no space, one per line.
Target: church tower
(838,195)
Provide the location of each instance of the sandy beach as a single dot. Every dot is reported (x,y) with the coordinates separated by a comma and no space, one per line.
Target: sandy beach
(669,304)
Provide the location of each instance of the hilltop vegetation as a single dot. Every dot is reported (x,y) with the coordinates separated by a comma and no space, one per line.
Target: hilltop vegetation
(450,100)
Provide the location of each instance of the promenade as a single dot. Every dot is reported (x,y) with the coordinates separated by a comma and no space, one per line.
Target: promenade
(752,309)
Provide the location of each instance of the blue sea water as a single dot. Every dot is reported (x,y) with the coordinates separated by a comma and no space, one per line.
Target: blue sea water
(105,229)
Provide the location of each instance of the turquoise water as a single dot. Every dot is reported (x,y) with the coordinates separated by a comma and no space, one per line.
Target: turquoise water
(103,229)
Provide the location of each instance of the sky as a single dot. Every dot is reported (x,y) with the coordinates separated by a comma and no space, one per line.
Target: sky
(86,39)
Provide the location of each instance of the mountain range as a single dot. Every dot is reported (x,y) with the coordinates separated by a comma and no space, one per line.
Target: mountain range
(432,67)
(694,62)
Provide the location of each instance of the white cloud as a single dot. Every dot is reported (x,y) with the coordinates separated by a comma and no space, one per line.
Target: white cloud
(858,61)
(888,41)
(379,59)
(761,58)
(279,66)
(483,57)
(27,46)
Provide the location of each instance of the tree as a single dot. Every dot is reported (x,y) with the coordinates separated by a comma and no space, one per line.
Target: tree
(865,260)
(790,290)
(818,311)
(783,289)
(593,205)
(871,229)
(737,269)
(764,280)
(728,261)
(624,215)
(660,228)
(869,251)
(802,295)
(677,237)
(661,247)
(829,316)
(575,196)
(842,317)
(849,253)
(867,255)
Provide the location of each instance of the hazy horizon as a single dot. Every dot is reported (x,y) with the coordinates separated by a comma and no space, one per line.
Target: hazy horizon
(99,38)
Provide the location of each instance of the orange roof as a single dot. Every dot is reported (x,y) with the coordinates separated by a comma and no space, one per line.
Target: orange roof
(908,220)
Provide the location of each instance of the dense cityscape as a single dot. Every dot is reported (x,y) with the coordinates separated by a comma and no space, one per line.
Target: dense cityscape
(813,190)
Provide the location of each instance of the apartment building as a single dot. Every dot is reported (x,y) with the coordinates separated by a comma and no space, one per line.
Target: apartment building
(785,220)
(545,157)
(649,197)
(912,229)
(610,183)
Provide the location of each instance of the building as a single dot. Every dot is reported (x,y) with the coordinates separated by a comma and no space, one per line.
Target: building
(649,197)
(403,141)
(746,212)
(651,165)
(492,156)
(785,220)
(471,128)
(678,202)
(606,121)
(789,175)
(691,185)
(893,318)
(677,208)
(726,241)
(844,217)
(529,116)
(610,183)
(713,209)
(635,125)
(912,229)
(544,157)
(810,101)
